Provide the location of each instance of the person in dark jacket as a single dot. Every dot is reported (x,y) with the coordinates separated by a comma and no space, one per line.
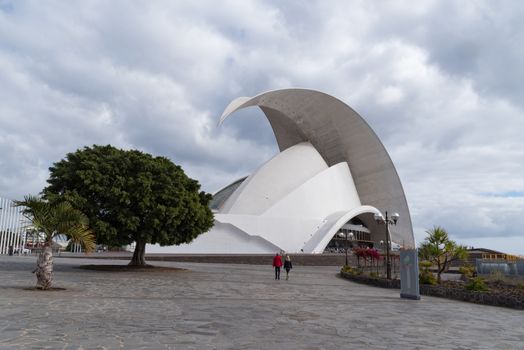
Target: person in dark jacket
(277,263)
(287,266)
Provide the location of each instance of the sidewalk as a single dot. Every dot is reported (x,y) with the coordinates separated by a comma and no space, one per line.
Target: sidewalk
(219,306)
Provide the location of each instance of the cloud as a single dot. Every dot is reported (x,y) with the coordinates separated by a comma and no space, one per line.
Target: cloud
(509,194)
(439,84)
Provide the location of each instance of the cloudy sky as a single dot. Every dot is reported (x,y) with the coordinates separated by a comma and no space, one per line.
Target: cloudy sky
(440,82)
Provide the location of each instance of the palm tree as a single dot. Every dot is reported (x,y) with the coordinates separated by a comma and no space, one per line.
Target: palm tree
(53,220)
(440,250)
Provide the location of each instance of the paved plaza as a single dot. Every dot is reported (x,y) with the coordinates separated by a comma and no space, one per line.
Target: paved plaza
(213,306)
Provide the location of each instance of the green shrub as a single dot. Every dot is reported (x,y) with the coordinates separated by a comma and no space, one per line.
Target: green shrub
(373,274)
(346,269)
(351,270)
(467,270)
(477,284)
(520,285)
(425,264)
(426,276)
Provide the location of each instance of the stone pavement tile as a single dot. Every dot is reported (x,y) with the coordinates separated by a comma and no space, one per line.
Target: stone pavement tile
(213,306)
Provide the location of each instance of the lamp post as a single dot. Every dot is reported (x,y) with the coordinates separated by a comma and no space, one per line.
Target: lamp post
(347,234)
(388,220)
(342,234)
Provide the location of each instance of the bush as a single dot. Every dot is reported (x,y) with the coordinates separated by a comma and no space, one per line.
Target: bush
(520,285)
(373,274)
(351,270)
(426,276)
(347,269)
(467,270)
(477,284)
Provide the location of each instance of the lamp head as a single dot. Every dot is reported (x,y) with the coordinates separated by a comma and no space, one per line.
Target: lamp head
(378,218)
(395,217)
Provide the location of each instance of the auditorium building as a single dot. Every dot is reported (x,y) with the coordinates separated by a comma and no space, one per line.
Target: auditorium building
(331,177)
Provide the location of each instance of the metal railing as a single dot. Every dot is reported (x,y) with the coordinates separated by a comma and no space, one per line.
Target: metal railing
(13,227)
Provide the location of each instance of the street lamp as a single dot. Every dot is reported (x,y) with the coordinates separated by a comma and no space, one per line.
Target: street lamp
(346,234)
(342,234)
(388,220)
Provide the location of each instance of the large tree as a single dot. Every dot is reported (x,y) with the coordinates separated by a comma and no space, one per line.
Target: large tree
(131,196)
(440,250)
(52,220)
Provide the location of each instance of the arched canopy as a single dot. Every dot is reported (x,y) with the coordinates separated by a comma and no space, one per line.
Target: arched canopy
(340,135)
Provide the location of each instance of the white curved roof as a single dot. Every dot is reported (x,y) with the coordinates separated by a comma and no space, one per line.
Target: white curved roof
(339,134)
(288,202)
(275,179)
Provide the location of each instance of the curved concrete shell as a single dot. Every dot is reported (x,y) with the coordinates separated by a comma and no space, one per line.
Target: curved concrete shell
(332,168)
(340,135)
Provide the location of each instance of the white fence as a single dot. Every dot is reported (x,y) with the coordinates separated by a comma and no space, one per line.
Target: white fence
(13,226)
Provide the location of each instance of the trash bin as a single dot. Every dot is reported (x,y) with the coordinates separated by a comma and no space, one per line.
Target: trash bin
(10,250)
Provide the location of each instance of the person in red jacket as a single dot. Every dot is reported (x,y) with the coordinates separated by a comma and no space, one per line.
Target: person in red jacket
(277,263)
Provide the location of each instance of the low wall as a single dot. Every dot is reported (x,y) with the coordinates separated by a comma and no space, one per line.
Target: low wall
(378,282)
(300,260)
(486,298)
(457,292)
(252,259)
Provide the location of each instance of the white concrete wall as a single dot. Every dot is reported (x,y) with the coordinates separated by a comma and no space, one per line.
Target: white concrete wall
(275,179)
(221,239)
(330,191)
(299,192)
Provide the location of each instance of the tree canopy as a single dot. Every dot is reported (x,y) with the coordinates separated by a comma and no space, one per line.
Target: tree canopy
(130,196)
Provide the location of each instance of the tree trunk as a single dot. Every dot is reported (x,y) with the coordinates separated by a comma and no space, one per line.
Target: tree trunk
(44,268)
(139,254)
(439,272)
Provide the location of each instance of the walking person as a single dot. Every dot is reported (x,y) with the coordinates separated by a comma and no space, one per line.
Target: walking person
(277,263)
(287,266)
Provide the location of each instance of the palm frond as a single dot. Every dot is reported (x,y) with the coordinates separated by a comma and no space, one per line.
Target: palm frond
(66,216)
(84,236)
(58,219)
(39,212)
